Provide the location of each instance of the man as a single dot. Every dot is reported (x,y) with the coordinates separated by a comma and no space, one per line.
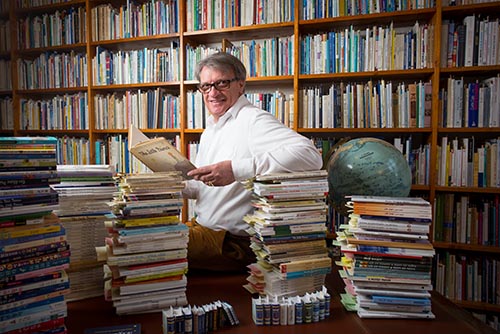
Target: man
(239,142)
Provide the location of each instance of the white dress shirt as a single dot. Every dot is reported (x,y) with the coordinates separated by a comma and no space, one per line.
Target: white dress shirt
(256,143)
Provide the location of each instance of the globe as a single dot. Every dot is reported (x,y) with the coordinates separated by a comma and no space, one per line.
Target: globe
(366,166)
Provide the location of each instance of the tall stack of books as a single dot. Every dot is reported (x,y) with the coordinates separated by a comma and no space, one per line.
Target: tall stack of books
(84,192)
(387,257)
(34,252)
(146,249)
(288,234)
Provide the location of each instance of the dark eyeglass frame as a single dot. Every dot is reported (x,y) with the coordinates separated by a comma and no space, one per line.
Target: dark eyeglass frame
(219,85)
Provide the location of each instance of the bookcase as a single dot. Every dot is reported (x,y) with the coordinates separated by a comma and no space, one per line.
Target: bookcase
(419,74)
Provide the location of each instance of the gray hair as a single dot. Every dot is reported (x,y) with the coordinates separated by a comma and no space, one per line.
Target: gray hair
(223,62)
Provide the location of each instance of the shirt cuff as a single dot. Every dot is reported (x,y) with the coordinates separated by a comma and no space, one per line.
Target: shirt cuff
(243,169)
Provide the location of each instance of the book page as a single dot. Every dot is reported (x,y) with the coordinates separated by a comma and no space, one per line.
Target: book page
(157,153)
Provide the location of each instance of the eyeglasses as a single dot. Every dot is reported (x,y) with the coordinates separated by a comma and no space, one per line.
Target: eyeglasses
(219,85)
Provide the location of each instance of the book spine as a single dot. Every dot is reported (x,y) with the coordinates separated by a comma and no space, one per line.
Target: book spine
(39,327)
(33,252)
(52,280)
(13,241)
(30,265)
(30,232)
(28,297)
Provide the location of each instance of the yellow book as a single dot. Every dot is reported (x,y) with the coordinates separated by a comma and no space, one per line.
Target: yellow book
(26,231)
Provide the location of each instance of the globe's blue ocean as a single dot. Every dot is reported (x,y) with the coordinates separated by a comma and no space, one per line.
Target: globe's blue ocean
(367,166)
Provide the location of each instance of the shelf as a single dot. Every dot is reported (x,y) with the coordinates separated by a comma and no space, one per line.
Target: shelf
(477,306)
(53,132)
(470,70)
(33,52)
(468,130)
(51,91)
(466,247)
(477,190)
(125,131)
(156,41)
(123,87)
(49,8)
(481,8)
(363,21)
(405,75)
(240,33)
(358,131)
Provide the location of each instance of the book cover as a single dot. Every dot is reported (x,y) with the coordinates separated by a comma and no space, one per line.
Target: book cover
(157,153)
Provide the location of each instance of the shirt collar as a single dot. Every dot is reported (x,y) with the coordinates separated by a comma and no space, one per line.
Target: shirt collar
(231,112)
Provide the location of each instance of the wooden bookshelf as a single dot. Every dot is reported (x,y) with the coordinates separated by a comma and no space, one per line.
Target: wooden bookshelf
(297,26)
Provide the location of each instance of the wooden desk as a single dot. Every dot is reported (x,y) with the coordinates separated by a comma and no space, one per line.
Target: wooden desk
(203,289)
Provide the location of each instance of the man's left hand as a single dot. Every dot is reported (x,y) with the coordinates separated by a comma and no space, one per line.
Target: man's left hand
(219,174)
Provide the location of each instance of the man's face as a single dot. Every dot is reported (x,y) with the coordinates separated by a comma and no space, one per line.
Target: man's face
(218,101)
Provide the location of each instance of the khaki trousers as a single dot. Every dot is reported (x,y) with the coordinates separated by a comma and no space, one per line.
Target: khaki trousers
(217,250)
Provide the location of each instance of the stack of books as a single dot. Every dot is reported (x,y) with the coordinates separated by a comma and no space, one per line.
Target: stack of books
(288,233)
(146,248)
(387,257)
(84,192)
(34,252)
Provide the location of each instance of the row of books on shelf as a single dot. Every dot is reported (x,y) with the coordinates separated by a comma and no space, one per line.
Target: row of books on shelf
(465,163)
(464,277)
(277,103)
(5,77)
(473,41)
(224,14)
(136,66)
(372,104)
(311,307)
(386,258)
(6,113)
(150,109)
(319,10)
(34,248)
(470,104)
(114,150)
(134,20)
(371,49)
(206,318)
(61,112)
(5,38)
(465,2)
(465,219)
(53,70)
(63,27)
(267,57)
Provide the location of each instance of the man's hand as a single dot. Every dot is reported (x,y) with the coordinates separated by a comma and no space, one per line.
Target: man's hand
(219,174)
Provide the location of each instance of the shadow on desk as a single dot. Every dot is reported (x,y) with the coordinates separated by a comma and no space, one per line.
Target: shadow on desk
(208,287)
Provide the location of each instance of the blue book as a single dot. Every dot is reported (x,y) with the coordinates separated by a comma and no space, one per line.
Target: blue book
(27,140)
(12,241)
(401,300)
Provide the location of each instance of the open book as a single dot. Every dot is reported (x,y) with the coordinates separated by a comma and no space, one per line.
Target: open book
(157,153)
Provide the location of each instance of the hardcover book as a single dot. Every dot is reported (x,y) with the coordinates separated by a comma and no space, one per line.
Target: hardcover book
(157,153)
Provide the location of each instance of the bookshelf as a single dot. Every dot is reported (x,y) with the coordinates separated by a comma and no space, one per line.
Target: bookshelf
(106,86)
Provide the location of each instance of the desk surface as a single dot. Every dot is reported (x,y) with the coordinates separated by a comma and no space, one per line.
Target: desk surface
(202,289)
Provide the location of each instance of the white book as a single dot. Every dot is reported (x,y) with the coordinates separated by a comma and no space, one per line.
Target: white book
(362,313)
(469,22)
